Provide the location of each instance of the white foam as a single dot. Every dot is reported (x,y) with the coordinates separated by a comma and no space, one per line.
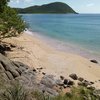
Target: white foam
(28,32)
(64,46)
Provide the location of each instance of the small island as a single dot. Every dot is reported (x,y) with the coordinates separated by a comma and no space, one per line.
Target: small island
(51,8)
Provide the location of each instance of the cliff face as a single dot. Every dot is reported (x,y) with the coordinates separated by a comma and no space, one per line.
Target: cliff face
(56,7)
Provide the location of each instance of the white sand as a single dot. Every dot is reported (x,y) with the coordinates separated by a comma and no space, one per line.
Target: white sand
(36,53)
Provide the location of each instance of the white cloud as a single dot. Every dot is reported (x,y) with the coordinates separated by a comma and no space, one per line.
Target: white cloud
(28,1)
(11,1)
(90,5)
(18,1)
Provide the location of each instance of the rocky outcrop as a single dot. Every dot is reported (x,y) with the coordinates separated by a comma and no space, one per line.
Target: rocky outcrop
(30,78)
(8,66)
(17,71)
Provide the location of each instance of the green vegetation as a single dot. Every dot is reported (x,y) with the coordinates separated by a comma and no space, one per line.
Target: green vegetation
(3,4)
(17,92)
(79,93)
(56,7)
(11,23)
(14,92)
(40,96)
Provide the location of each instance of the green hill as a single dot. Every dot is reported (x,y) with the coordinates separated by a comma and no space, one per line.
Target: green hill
(56,7)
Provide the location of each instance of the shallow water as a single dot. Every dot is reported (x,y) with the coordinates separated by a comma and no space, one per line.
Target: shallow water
(75,33)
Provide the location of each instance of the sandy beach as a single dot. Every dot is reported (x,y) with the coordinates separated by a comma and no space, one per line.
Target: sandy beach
(37,54)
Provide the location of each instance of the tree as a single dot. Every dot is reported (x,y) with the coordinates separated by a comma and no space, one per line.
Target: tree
(11,23)
(3,4)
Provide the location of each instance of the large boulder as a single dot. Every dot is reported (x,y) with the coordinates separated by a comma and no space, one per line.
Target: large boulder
(49,81)
(68,82)
(81,79)
(73,76)
(94,61)
(59,82)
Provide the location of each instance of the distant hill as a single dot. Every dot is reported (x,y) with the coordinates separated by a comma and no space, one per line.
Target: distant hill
(56,7)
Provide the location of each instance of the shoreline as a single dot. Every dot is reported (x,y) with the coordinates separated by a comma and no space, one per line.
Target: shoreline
(37,54)
(65,47)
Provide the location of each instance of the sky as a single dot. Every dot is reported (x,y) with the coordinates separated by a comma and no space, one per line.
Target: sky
(80,6)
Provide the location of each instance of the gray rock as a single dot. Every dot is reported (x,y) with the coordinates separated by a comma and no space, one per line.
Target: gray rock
(73,76)
(46,90)
(5,47)
(4,76)
(94,61)
(23,80)
(2,50)
(59,82)
(68,82)
(19,71)
(1,68)
(8,65)
(19,64)
(87,82)
(90,87)
(51,92)
(14,73)
(43,73)
(65,81)
(97,92)
(49,81)
(9,75)
(13,46)
(84,83)
(92,83)
(62,77)
(81,79)
(34,70)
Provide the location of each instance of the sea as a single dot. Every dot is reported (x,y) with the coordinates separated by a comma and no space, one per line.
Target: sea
(73,33)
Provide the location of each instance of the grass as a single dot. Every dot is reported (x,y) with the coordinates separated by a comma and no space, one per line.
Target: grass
(17,92)
(14,92)
(40,96)
(79,93)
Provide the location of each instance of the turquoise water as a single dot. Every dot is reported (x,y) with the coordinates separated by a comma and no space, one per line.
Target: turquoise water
(80,30)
